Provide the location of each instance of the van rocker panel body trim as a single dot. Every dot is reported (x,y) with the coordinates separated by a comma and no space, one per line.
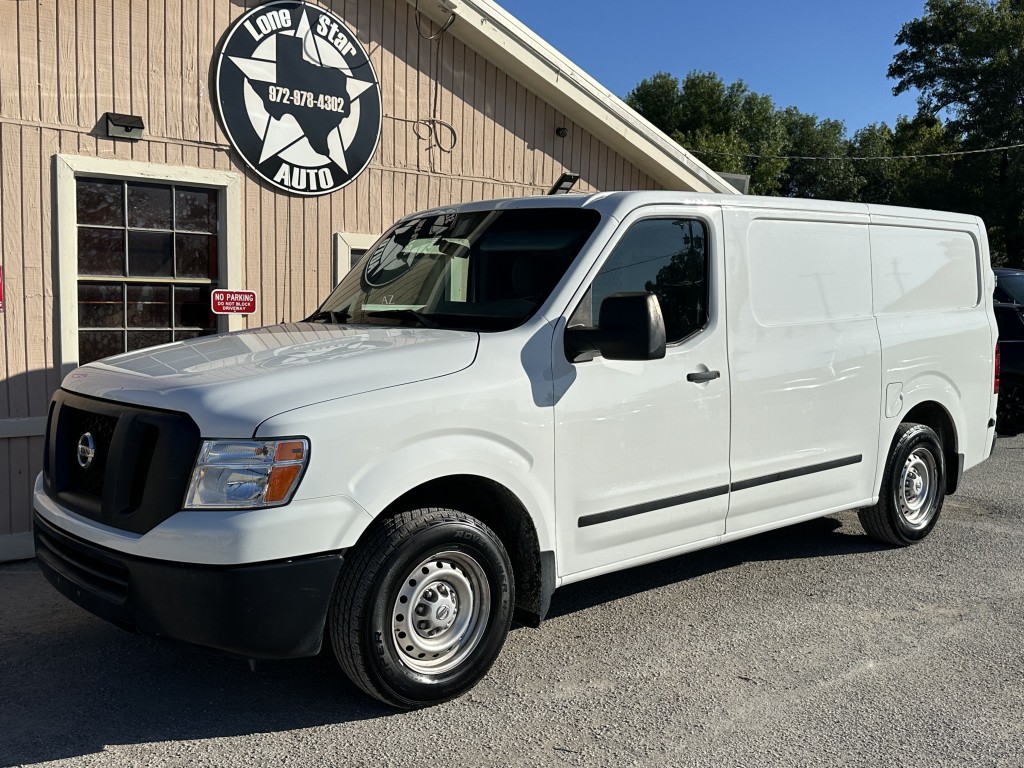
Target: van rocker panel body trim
(689,498)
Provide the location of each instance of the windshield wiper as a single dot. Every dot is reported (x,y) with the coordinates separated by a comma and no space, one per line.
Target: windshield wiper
(338,318)
(424,320)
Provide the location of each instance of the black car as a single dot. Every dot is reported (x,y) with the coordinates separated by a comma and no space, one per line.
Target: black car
(1009,302)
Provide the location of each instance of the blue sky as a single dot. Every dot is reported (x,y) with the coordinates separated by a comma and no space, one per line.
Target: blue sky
(824,57)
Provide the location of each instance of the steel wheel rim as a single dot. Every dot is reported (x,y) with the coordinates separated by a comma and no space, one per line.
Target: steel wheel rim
(440,613)
(918,488)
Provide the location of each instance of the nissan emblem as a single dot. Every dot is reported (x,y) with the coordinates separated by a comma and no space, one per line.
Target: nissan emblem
(86,450)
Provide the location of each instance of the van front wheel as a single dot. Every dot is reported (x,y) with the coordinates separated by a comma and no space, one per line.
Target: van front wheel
(913,488)
(422,607)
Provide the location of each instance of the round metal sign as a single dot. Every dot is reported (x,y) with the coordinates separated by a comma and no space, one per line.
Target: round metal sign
(298,97)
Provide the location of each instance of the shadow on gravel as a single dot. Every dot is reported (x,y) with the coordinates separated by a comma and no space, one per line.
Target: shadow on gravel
(815,538)
(72,684)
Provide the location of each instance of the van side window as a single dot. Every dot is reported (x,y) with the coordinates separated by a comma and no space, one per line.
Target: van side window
(666,257)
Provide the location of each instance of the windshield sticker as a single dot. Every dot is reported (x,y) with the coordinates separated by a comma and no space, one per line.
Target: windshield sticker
(396,255)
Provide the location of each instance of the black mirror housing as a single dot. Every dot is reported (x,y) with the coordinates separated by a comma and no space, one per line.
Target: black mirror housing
(630,327)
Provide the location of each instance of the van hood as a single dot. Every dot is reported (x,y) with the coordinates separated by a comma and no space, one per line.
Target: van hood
(232,382)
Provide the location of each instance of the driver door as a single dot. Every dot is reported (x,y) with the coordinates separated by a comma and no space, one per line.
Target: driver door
(642,448)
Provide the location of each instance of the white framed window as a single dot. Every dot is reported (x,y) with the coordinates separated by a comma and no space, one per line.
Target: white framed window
(139,248)
(348,248)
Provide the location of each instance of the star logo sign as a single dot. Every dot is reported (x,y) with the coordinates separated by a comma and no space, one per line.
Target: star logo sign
(298,97)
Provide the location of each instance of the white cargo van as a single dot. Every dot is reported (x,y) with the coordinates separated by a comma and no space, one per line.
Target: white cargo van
(506,397)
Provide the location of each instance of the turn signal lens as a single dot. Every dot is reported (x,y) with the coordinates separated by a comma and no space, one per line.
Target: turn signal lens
(246,474)
(290,450)
(281,481)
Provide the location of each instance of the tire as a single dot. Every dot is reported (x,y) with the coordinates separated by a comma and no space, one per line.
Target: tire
(913,488)
(422,607)
(1010,410)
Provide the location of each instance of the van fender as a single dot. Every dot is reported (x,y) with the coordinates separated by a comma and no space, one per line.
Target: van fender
(446,453)
(923,390)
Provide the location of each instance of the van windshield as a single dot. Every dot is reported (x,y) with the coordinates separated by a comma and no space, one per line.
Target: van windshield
(482,270)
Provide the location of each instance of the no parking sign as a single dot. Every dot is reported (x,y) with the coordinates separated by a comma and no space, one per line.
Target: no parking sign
(224,302)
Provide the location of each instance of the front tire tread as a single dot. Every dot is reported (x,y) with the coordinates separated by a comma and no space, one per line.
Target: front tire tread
(353,605)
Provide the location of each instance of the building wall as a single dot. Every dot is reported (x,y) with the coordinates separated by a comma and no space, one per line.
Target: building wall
(455,129)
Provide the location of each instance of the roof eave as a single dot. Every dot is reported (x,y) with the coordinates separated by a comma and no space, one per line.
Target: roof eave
(515,49)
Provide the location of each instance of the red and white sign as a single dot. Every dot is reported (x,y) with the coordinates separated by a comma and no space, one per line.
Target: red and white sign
(224,302)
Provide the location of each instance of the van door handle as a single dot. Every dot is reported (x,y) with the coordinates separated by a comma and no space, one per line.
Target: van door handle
(701,377)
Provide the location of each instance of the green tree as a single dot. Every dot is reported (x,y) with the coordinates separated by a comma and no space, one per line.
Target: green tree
(910,165)
(724,152)
(658,99)
(808,137)
(881,174)
(929,182)
(725,126)
(761,125)
(966,57)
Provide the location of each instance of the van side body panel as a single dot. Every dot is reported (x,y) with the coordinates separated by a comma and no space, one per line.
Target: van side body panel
(933,299)
(805,358)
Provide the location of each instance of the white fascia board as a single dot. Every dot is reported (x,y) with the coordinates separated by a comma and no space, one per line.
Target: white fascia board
(511,46)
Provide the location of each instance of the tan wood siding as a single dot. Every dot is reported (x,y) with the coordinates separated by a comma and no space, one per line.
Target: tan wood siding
(455,128)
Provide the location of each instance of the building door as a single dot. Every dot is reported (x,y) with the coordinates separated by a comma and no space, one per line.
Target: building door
(642,448)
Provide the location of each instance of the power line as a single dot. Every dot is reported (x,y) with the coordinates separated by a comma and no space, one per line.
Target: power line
(856,158)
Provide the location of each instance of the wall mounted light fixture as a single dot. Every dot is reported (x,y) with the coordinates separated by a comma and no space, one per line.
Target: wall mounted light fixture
(564,184)
(121,126)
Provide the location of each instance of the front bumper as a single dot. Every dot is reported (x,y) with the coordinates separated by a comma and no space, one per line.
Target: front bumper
(267,610)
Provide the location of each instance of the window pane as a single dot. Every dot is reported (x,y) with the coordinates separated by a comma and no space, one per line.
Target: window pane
(195,209)
(149,306)
(95,345)
(150,254)
(100,306)
(142,339)
(197,256)
(100,251)
(149,206)
(1011,287)
(681,284)
(666,257)
(100,202)
(192,308)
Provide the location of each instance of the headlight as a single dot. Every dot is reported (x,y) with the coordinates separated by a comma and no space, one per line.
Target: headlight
(246,474)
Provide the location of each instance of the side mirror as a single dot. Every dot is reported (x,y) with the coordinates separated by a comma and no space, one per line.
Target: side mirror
(630,327)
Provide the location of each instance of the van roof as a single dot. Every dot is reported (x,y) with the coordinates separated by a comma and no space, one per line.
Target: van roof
(619,204)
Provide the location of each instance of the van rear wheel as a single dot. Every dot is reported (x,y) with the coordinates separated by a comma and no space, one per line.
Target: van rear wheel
(422,607)
(913,488)
(1010,412)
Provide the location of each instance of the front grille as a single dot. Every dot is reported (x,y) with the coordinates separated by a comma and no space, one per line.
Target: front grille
(88,479)
(140,467)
